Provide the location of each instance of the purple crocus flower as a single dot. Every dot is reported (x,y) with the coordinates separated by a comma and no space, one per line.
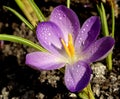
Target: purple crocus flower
(70,46)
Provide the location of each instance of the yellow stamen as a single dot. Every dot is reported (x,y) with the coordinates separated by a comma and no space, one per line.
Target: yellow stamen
(70,45)
(70,48)
(65,47)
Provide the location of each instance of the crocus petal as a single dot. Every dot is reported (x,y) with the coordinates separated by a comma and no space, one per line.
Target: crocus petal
(98,49)
(88,33)
(77,76)
(49,36)
(44,61)
(67,20)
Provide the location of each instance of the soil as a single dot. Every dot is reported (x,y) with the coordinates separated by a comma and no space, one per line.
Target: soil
(18,81)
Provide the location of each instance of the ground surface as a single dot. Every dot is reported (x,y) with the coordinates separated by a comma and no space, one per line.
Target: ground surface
(18,81)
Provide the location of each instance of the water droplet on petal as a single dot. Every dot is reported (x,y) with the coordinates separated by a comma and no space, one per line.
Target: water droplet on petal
(78,66)
(49,34)
(86,25)
(45,38)
(82,31)
(83,43)
(68,80)
(77,71)
(79,42)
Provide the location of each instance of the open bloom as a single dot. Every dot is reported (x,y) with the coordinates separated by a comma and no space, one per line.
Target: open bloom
(70,46)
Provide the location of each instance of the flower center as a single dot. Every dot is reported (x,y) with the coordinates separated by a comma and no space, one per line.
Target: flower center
(69,48)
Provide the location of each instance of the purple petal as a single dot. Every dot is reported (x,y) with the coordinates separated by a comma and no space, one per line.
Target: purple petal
(88,33)
(67,20)
(98,49)
(77,76)
(44,61)
(49,36)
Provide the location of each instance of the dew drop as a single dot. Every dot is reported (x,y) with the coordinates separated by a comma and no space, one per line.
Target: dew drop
(49,34)
(45,38)
(90,20)
(84,29)
(77,71)
(83,43)
(64,15)
(86,25)
(79,41)
(55,16)
(78,66)
(60,18)
(59,14)
(68,80)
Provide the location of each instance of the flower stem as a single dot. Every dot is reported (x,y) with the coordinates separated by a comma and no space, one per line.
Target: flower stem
(21,40)
(68,3)
(86,93)
(103,18)
(109,61)
(113,19)
(28,11)
(105,30)
(38,12)
(109,58)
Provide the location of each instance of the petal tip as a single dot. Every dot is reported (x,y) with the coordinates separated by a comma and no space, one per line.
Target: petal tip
(77,77)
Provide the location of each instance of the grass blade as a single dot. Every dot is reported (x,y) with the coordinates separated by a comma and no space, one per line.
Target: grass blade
(37,11)
(21,40)
(20,17)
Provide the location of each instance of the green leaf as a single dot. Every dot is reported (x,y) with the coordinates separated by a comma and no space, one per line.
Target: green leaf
(105,30)
(104,24)
(113,20)
(28,11)
(37,11)
(20,17)
(86,93)
(102,13)
(21,40)
(68,3)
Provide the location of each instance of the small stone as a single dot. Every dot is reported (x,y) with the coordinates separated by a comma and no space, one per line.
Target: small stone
(5,93)
(110,97)
(99,68)
(40,96)
(73,96)
(113,77)
(96,89)
(119,77)
(101,97)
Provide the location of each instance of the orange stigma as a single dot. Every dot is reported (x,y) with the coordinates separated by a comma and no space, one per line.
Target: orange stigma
(70,48)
